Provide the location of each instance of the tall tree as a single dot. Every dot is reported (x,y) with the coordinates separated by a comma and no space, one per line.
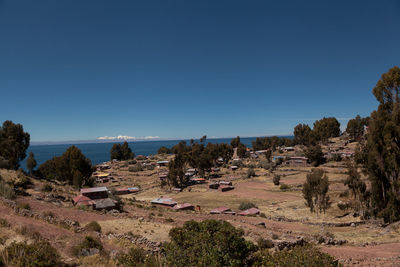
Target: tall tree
(126,152)
(13,144)
(355,127)
(315,191)
(326,128)
(72,167)
(302,134)
(315,155)
(383,148)
(115,152)
(31,162)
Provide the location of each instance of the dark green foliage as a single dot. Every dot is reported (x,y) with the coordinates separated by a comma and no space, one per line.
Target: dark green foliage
(13,144)
(47,188)
(303,135)
(276,179)
(315,191)
(264,243)
(299,256)
(326,128)
(164,150)
(31,162)
(284,187)
(93,226)
(72,167)
(241,150)
(4,223)
(121,152)
(87,243)
(382,150)
(235,142)
(136,168)
(176,174)
(6,191)
(207,243)
(263,143)
(315,155)
(246,205)
(23,206)
(37,254)
(355,127)
(251,173)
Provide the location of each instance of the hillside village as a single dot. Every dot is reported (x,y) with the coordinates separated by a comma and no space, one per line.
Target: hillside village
(135,207)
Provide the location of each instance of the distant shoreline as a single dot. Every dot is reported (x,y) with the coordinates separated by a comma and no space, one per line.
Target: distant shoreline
(45,143)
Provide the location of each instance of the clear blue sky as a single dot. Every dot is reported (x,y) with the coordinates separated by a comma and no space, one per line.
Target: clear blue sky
(78,69)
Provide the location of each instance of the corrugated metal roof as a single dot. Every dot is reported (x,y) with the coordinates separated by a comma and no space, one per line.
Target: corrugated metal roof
(220,210)
(164,201)
(82,200)
(94,189)
(183,206)
(251,211)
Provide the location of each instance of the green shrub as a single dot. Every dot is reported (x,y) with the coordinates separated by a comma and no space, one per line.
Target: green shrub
(207,243)
(275,236)
(264,243)
(299,256)
(93,226)
(276,179)
(88,243)
(132,162)
(344,193)
(136,168)
(251,173)
(169,220)
(284,187)
(150,167)
(246,205)
(135,257)
(37,254)
(23,206)
(46,188)
(6,191)
(4,223)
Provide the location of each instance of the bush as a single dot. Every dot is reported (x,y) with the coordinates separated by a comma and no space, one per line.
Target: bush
(93,226)
(169,220)
(4,223)
(251,173)
(23,206)
(6,191)
(88,243)
(136,168)
(264,243)
(150,167)
(299,256)
(207,243)
(275,236)
(46,188)
(49,214)
(132,162)
(246,205)
(284,187)
(135,257)
(39,253)
(344,193)
(276,179)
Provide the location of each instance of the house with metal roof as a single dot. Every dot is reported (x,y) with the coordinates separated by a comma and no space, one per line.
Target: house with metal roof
(164,201)
(222,210)
(249,212)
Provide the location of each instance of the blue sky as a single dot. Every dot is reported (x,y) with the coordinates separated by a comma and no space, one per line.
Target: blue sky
(79,70)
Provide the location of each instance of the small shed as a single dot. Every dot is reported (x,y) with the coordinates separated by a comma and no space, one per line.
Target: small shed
(225,183)
(162,163)
(95,192)
(222,210)
(184,206)
(106,204)
(249,212)
(164,201)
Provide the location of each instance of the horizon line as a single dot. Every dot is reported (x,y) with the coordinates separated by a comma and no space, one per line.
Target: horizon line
(105,141)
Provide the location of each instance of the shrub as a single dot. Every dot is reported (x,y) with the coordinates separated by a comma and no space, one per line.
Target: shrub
(299,256)
(246,205)
(345,193)
(46,188)
(275,236)
(135,257)
(150,167)
(284,187)
(23,206)
(93,226)
(207,243)
(136,168)
(88,243)
(4,223)
(6,191)
(251,173)
(39,253)
(315,191)
(264,243)
(169,220)
(276,179)
(132,162)
(49,214)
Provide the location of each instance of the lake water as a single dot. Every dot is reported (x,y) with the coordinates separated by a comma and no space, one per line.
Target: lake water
(100,152)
